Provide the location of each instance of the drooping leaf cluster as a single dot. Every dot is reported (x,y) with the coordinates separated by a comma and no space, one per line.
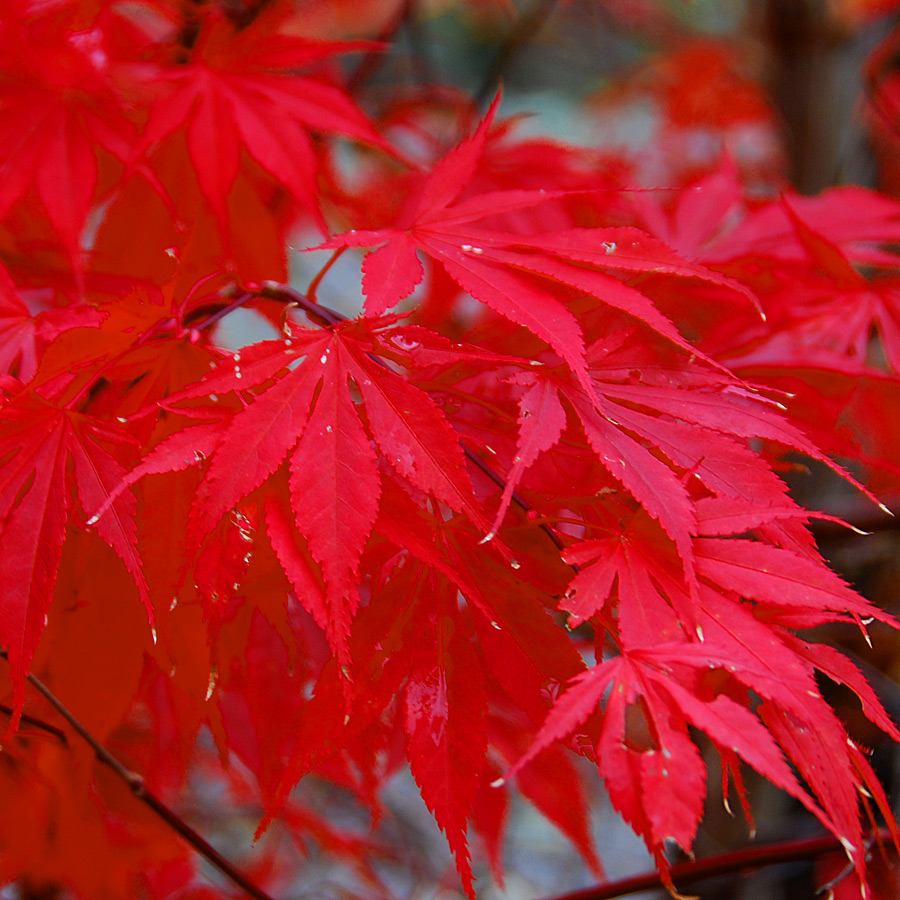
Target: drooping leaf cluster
(524,506)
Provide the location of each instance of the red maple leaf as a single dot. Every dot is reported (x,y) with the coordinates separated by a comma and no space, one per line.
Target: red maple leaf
(520,277)
(239,91)
(53,456)
(61,101)
(305,415)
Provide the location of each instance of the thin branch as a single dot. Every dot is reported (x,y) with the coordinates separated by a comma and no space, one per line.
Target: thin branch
(520,501)
(223,311)
(526,28)
(422,65)
(321,315)
(726,864)
(370,62)
(34,722)
(314,284)
(139,789)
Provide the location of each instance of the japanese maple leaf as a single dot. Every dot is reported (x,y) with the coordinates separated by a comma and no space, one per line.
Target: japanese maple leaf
(25,335)
(858,220)
(653,770)
(629,579)
(239,90)
(651,600)
(445,707)
(51,457)
(60,103)
(519,276)
(524,650)
(305,414)
(830,313)
(412,642)
(654,418)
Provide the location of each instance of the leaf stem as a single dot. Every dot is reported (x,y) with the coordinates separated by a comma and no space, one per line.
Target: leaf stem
(314,284)
(724,864)
(139,789)
(517,498)
(149,336)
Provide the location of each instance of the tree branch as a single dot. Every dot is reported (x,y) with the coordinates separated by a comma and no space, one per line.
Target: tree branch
(527,26)
(725,864)
(370,62)
(139,789)
(34,722)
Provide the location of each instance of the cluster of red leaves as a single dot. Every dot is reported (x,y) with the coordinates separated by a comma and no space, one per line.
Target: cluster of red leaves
(354,545)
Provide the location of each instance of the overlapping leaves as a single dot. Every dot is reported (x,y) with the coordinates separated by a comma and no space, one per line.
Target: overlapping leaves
(407,519)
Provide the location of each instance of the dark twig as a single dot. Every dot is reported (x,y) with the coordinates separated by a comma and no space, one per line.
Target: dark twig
(137,787)
(726,864)
(526,28)
(370,62)
(422,65)
(319,314)
(220,313)
(34,722)
(517,498)
(875,72)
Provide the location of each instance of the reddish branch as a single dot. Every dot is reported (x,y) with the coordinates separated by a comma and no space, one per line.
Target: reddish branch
(744,860)
(139,789)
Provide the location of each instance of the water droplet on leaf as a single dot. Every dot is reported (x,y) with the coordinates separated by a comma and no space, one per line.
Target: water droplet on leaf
(213,678)
(403,342)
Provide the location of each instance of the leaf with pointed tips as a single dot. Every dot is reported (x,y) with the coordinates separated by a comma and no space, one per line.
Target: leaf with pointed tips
(233,95)
(335,490)
(444,717)
(37,441)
